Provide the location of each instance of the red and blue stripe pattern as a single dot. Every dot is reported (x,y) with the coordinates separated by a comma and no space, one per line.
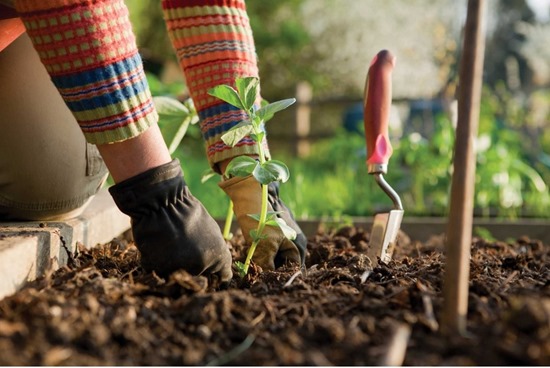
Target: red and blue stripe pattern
(89,50)
(214,44)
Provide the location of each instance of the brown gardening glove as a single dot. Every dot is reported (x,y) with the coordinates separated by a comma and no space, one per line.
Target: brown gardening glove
(171,228)
(276,249)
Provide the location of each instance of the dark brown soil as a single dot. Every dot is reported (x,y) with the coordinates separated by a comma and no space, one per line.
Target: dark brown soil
(103,309)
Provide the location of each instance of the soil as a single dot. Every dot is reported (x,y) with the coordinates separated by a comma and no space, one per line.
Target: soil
(103,309)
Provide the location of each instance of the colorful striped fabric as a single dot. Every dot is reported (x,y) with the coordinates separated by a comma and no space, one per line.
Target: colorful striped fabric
(89,50)
(214,44)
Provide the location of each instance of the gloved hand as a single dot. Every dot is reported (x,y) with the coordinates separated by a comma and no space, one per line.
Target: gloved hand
(276,249)
(171,228)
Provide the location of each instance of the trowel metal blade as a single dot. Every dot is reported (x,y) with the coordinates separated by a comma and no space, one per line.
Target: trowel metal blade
(384,235)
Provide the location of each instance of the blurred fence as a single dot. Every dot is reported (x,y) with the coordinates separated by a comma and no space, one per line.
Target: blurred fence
(311,119)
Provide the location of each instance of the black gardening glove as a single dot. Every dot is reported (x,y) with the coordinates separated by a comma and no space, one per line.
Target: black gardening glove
(171,228)
(275,250)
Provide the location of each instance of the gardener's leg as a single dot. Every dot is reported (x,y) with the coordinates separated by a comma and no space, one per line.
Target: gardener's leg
(89,50)
(214,44)
(47,170)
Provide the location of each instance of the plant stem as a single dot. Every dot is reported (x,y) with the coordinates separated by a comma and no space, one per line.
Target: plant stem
(263,212)
(228,221)
(257,130)
(259,231)
(249,256)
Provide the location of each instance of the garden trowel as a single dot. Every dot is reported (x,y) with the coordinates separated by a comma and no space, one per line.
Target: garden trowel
(378,97)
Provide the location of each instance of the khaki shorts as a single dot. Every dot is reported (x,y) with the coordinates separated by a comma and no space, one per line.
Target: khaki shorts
(47,170)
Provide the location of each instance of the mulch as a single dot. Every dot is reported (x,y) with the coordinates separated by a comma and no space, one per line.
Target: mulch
(103,309)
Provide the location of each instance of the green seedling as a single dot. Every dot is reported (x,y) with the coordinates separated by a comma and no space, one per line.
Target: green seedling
(263,170)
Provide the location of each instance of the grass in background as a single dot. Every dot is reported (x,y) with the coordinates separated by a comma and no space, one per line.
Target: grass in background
(333,182)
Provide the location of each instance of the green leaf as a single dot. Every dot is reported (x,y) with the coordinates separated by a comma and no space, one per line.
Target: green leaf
(273,220)
(255,216)
(275,170)
(257,137)
(238,132)
(242,166)
(241,269)
(178,135)
(170,107)
(264,176)
(247,87)
(254,235)
(207,174)
(267,112)
(227,94)
(257,122)
(174,120)
(289,232)
(271,216)
(188,103)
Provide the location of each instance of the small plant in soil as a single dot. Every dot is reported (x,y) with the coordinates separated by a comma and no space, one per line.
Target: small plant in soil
(263,170)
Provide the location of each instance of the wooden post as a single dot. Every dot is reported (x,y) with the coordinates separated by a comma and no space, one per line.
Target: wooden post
(303,118)
(459,234)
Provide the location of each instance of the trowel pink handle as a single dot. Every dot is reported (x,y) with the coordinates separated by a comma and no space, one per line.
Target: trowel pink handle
(378,96)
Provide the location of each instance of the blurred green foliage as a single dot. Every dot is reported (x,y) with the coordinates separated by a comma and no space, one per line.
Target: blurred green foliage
(333,182)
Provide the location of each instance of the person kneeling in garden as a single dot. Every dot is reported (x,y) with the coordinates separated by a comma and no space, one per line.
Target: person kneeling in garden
(90,54)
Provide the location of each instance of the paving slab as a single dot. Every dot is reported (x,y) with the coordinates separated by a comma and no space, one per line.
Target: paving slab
(29,249)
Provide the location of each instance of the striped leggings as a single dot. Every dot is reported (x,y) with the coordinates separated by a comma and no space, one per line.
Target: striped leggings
(89,50)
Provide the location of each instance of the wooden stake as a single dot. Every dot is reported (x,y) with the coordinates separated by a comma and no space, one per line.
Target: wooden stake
(459,234)
(304,95)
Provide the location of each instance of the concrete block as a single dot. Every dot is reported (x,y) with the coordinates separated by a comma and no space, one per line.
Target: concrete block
(18,256)
(28,249)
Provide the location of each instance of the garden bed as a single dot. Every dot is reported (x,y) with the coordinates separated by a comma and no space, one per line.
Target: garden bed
(102,309)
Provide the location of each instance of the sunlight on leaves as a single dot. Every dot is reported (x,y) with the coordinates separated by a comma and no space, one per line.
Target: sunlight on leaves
(267,112)
(242,166)
(237,133)
(227,94)
(277,170)
(247,88)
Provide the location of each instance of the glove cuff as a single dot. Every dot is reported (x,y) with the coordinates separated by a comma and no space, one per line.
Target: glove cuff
(245,193)
(234,180)
(149,187)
